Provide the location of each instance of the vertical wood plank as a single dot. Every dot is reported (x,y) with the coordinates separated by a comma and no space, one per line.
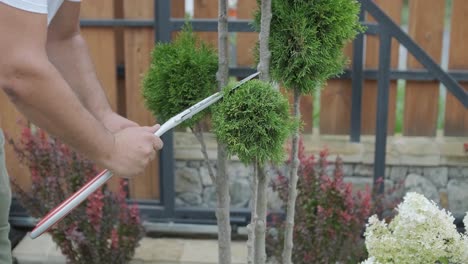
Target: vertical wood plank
(426,27)
(456,116)
(9,118)
(246,41)
(101,45)
(103,50)
(207,9)
(178,8)
(335,104)
(138,43)
(369,92)
(177,11)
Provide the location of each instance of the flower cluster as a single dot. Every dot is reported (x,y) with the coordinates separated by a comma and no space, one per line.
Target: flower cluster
(420,233)
(103,229)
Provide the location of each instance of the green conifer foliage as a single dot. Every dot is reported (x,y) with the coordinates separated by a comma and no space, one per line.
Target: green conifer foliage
(181,74)
(254,122)
(307,38)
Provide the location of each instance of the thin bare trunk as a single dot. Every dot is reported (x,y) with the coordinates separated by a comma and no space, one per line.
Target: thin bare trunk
(264,36)
(222,179)
(260,220)
(197,131)
(259,196)
(222,212)
(253,216)
(289,228)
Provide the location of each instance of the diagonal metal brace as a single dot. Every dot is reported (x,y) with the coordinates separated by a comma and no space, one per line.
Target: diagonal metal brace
(387,24)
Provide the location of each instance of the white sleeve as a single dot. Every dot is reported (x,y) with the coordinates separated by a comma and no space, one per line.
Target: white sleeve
(74,0)
(35,6)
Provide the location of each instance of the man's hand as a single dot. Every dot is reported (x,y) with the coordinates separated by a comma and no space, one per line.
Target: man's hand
(134,148)
(114,122)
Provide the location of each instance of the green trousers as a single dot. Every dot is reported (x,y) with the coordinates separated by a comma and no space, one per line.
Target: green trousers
(5,201)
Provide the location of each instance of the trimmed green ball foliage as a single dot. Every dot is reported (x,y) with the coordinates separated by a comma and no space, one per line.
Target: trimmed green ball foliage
(307,38)
(254,122)
(181,74)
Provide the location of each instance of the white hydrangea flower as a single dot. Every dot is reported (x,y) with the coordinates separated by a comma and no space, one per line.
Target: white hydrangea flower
(420,233)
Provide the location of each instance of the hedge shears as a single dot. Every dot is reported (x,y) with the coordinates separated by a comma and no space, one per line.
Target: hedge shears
(79,196)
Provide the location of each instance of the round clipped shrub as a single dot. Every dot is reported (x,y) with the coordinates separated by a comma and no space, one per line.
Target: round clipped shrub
(307,39)
(181,74)
(253,121)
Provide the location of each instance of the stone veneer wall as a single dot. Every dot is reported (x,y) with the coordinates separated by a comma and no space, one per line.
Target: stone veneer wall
(437,168)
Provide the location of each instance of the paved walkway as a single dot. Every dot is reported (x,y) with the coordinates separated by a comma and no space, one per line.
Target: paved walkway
(42,250)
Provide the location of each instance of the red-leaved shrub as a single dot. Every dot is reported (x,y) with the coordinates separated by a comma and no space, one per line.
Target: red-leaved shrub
(103,229)
(329,219)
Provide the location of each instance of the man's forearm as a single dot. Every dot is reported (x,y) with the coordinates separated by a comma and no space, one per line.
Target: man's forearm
(38,90)
(71,57)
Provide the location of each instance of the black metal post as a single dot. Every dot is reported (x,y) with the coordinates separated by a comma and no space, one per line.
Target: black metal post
(357,84)
(382,112)
(166,156)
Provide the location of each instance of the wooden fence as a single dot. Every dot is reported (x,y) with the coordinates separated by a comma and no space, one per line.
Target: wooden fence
(131,47)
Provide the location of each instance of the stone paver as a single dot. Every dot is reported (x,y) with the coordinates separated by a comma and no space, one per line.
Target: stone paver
(42,250)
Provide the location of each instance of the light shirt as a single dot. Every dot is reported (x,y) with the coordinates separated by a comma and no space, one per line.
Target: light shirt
(49,7)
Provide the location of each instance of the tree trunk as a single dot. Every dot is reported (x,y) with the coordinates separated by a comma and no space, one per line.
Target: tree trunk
(264,37)
(258,225)
(253,216)
(222,212)
(222,179)
(292,188)
(260,220)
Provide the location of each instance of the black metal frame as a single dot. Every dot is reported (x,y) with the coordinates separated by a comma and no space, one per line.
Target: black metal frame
(164,25)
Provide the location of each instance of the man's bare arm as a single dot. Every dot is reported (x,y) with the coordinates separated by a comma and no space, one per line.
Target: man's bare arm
(68,51)
(38,90)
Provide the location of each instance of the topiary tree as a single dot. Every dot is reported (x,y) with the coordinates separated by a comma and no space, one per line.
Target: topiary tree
(181,74)
(254,122)
(306,43)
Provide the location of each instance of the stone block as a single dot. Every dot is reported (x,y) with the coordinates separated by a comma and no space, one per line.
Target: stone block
(419,184)
(458,196)
(209,196)
(437,175)
(190,198)
(240,192)
(455,172)
(180,164)
(398,173)
(187,180)
(363,170)
(348,169)
(205,175)
(416,170)
(239,170)
(194,163)
(464,172)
